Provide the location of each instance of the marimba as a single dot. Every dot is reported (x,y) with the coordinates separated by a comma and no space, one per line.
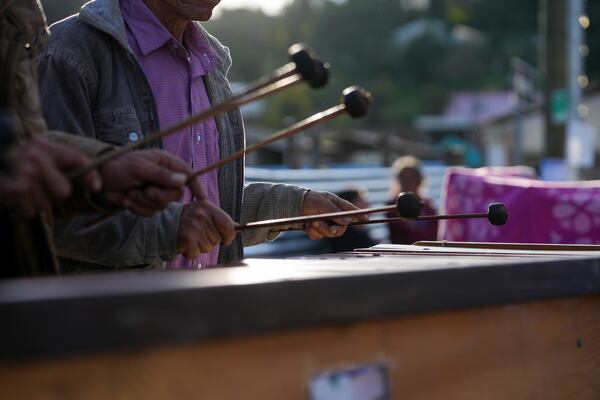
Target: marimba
(433,319)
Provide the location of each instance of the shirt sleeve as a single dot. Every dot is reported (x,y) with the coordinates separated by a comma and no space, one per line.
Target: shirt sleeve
(263,201)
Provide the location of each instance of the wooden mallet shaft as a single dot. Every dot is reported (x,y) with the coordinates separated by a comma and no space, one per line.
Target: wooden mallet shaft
(355,102)
(304,68)
(218,109)
(407,205)
(497,215)
(310,218)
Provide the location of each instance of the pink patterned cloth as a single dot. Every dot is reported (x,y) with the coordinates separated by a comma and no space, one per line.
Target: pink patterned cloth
(175,74)
(539,212)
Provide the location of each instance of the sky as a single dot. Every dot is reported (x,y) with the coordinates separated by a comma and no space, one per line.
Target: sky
(268,6)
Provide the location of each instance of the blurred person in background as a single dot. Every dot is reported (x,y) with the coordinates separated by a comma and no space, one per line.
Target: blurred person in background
(408,177)
(356,237)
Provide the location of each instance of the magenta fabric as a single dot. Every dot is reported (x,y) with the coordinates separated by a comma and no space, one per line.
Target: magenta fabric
(539,212)
(174,72)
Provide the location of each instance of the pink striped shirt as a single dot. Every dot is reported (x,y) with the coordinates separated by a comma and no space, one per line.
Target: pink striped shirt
(175,73)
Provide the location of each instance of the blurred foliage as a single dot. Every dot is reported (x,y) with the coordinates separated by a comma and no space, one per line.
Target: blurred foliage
(360,40)
(59,9)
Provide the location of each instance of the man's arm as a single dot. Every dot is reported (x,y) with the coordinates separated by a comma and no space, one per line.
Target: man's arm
(269,201)
(272,201)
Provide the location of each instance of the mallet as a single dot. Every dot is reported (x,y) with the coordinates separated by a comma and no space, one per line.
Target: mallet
(497,215)
(309,69)
(303,62)
(408,205)
(355,102)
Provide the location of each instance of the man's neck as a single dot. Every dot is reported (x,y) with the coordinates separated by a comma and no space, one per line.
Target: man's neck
(169,17)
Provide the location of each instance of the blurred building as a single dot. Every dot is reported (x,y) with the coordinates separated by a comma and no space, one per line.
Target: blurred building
(488,121)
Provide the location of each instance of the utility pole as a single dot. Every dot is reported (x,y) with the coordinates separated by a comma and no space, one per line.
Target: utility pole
(580,135)
(575,72)
(554,23)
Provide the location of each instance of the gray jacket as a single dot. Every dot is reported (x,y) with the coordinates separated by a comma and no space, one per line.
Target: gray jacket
(92,85)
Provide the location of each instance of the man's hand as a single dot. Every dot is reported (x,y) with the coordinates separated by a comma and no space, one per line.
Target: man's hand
(324,202)
(146,181)
(202,227)
(38,179)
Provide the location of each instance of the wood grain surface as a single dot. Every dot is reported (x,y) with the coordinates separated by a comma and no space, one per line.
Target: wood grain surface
(538,350)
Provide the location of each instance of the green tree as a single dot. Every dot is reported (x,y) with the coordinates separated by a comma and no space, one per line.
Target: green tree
(59,9)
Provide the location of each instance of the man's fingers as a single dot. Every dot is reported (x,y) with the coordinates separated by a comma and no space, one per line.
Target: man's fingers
(206,226)
(210,232)
(164,169)
(196,189)
(203,241)
(224,225)
(338,231)
(189,247)
(170,161)
(68,160)
(326,230)
(53,183)
(161,198)
(312,233)
(191,251)
(205,231)
(344,205)
(91,181)
(154,174)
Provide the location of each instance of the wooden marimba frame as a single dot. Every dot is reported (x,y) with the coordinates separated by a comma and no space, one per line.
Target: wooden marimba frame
(493,322)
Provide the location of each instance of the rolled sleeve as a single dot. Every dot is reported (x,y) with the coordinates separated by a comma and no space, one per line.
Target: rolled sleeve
(264,201)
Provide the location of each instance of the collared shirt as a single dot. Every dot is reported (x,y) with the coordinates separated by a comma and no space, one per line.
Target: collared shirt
(175,73)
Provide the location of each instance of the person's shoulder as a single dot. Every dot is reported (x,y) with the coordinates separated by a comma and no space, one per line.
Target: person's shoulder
(72,34)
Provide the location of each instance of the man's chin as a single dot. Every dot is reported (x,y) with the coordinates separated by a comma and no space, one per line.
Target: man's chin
(203,15)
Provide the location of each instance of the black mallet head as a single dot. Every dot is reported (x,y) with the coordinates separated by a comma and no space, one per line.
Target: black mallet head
(497,214)
(408,205)
(357,101)
(312,70)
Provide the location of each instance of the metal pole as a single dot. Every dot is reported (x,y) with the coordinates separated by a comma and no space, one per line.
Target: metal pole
(575,9)
(556,72)
(575,69)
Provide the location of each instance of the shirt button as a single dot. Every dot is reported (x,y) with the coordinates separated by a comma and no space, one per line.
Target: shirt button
(198,137)
(133,137)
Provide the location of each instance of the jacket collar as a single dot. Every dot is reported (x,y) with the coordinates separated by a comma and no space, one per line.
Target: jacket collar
(105,15)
